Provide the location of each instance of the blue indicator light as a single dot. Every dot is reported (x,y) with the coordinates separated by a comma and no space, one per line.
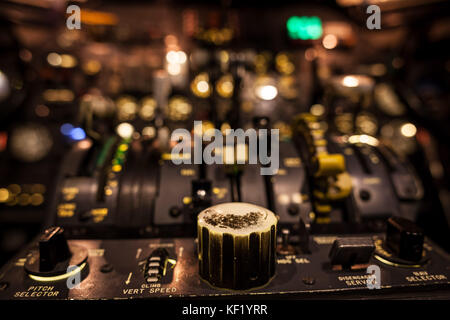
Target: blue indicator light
(66,128)
(77,134)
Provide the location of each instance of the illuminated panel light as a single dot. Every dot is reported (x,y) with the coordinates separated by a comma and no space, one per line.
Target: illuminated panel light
(176,57)
(60,277)
(149,132)
(58,95)
(225,86)
(4,194)
(74,133)
(363,138)
(350,81)
(203,86)
(42,111)
(330,41)
(37,199)
(304,28)
(91,17)
(317,110)
(77,134)
(200,86)
(266,92)
(3,141)
(66,128)
(349,3)
(54,59)
(68,61)
(181,56)
(173,69)
(179,108)
(408,130)
(148,107)
(85,144)
(91,67)
(125,130)
(172,57)
(4,86)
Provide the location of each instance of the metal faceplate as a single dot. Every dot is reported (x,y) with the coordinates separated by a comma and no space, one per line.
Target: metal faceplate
(114,271)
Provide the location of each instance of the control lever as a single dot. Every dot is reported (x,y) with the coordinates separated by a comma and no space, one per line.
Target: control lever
(303,237)
(285,248)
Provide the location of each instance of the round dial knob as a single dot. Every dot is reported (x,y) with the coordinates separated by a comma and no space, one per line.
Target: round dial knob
(403,245)
(236,245)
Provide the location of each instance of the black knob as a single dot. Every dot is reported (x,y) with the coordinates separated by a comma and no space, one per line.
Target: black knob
(53,248)
(53,255)
(404,239)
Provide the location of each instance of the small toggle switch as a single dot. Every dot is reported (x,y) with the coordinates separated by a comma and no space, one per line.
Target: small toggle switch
(285,248)
(156,265)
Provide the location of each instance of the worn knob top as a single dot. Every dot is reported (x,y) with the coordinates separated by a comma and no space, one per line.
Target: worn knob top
(237,245)
(237,218)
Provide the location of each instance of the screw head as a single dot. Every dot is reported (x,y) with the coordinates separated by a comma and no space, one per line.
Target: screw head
(174,211)
(364,195)
(309,280)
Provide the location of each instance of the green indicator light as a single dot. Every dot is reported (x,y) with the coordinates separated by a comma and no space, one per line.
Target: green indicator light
(117,161)
(304,28)
(120,156)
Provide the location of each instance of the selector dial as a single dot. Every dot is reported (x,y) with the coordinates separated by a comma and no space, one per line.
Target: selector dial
(54,258)
(403,245)
(237,245)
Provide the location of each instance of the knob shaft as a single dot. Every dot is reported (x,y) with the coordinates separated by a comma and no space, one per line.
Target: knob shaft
(237,245)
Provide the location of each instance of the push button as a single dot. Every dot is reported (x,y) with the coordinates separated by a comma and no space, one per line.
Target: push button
(350,251)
